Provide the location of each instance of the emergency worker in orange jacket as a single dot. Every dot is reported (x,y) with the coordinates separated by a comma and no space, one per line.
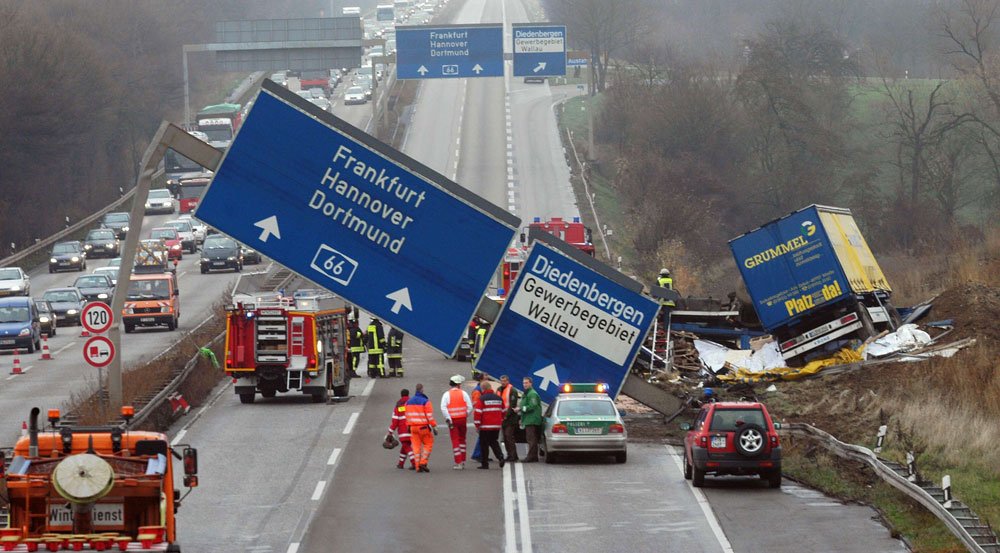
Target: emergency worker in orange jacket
(456,406)
(423,427)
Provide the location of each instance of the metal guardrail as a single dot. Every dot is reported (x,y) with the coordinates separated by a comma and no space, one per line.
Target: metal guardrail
(80,225)
(914,491)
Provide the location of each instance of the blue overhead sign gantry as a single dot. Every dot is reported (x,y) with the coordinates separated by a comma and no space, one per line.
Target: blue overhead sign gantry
(355,216)
(569,318)
(539,50)
(449,51)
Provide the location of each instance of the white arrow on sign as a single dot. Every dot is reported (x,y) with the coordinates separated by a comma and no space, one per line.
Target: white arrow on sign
(401,298)
(268,227)
(477,68)
(539,67)
(422,70)
(548,375)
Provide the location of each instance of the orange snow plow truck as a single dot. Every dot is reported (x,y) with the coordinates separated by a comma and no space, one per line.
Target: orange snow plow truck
(284,344)
(99,488)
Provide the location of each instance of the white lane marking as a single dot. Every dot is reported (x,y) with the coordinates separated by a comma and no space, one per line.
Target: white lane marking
(706,508)
(318,492)
(368,387)
(508,512)
(350,422)
(23,370)
(293,547)
(522,509)
(333,456)
(182,274)
(180,436)
(64,348)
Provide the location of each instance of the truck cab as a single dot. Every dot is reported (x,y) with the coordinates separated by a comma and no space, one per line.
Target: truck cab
(93,487)
(152,300)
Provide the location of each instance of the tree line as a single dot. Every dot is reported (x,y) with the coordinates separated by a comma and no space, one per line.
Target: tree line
(896,116)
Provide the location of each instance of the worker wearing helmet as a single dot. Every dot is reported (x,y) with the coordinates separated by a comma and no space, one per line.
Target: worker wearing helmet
(395,354)
(423,427)
(666,281)
(456,406)
(398,425)
(376,349)
(356,342)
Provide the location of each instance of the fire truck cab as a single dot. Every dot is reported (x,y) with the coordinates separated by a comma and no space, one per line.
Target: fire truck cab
(513,261)
(283,344)
(572,232)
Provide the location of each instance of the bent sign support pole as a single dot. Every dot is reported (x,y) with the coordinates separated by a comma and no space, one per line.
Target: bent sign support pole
(167,136)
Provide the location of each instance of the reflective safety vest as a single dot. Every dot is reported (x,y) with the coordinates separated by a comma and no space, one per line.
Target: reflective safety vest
(357,340)
(668,283)
(395,345)
(419,411)
(457,408)
(505,395)
(374,344)
(480,342)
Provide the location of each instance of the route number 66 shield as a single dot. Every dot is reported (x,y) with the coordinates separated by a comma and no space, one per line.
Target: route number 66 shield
(334,265)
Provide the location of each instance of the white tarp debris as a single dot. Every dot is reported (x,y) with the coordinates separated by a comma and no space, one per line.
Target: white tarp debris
(906,338)
(715,356)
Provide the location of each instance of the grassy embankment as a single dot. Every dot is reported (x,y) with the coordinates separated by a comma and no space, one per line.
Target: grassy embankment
(945,410)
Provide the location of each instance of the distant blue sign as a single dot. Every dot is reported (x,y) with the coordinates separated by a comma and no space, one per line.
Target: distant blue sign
(569,318)
(449,51)
(576,62)
(539,50)
(358,218)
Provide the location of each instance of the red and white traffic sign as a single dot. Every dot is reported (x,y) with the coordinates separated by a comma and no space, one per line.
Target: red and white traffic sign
(97,317)
(98,351)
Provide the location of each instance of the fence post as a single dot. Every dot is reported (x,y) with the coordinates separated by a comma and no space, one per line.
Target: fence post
(946,486)
(911,467)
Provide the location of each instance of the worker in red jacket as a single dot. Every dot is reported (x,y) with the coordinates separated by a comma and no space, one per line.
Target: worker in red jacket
(398,425)
(488,416)
(423,427)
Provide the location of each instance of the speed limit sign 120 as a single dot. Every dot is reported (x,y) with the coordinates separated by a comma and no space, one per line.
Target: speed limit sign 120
(97,317)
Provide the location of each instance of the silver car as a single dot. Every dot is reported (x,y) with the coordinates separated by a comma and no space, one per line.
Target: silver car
(583,422)
(14,282)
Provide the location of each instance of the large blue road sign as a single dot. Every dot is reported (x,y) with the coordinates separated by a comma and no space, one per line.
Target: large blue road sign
(358,218)
(569,318)
(449,51)
(539,50)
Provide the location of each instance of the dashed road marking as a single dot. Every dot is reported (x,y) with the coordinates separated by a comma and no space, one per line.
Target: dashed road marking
(368,387)
(333,456)
(318,492)
(64,348)
(180,436)
(350,422)
(293,547)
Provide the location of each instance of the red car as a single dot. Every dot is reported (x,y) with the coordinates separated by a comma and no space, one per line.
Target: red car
(732,438)
(171,239)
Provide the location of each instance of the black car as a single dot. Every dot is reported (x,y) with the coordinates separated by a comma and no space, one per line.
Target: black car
(68,255)
(48,320)
(250,256)
(66,303)
(218,253)
(101,241)
(117,221)
(95,287)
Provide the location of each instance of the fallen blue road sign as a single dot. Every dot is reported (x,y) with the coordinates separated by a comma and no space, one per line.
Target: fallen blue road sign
(539,50)
(569,318)
(449,51)
(362,220)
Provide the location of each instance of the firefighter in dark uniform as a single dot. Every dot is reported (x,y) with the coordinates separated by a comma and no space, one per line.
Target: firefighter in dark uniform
(395,352)
(375,341)
(356,343)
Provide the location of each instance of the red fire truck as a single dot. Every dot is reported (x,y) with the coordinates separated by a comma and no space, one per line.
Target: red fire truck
(513,260)
(573,232)
(281,344)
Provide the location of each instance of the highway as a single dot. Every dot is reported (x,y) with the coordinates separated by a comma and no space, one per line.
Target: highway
(50,383)
(285,475)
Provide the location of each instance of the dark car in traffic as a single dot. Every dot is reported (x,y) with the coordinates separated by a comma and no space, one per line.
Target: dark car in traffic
(220,253)
(19,328)
(117,221)
(66,303)
(95,287)
(250,256)
(101,241)
(67,255)
(48,320)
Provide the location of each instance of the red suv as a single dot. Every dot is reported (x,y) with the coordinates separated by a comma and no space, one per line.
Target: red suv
(732,438)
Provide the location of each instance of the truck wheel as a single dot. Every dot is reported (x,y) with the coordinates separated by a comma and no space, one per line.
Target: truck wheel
(342,391)
(129,328)
(268,393)
(172,324)
(698,477)
(247,398)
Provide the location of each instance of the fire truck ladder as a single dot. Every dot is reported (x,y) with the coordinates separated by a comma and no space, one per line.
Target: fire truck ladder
(298,353)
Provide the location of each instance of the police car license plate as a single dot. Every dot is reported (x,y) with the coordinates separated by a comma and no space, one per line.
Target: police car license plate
(7,341)
(588,430)
(718,441)
(218,263)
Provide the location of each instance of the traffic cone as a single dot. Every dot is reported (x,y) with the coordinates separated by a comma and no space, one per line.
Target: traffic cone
(84,333)
(24,428)
(46,354)
(17,364)
(184,405)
